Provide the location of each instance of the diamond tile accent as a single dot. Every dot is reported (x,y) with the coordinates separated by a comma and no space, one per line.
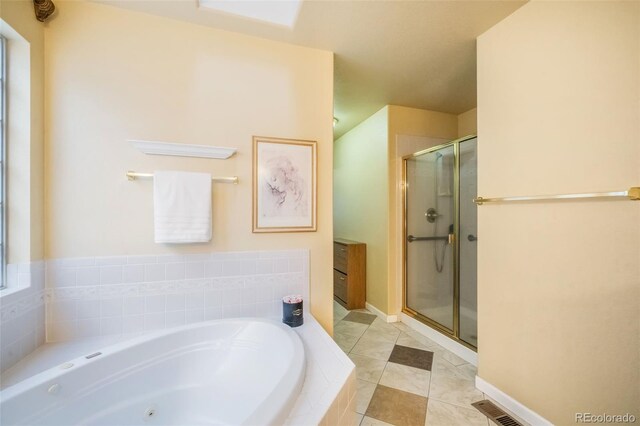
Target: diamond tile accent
(360,317)
(397,407)
(412,357)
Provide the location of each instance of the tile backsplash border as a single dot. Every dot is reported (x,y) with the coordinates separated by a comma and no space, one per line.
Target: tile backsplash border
(22,312)
(94,296)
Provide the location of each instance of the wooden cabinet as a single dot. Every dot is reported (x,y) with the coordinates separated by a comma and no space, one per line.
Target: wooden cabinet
(349,273)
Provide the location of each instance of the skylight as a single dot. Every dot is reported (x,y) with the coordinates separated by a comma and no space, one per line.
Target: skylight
(278,12)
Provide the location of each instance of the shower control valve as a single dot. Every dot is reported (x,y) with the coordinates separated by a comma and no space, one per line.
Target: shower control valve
(431,215)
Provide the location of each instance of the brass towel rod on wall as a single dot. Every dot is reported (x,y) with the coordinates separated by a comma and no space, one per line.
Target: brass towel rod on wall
(228,179)
(632,193)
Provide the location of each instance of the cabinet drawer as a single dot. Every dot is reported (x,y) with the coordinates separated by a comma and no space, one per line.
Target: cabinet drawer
(339,250)
(340,282)
(340,257)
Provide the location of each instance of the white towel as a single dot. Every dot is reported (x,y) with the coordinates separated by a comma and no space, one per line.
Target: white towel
(182,207)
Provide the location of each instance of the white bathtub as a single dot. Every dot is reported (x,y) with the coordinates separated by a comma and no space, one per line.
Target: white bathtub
(238,372)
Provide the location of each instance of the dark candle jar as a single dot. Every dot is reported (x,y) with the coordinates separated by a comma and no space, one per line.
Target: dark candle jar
(292,312)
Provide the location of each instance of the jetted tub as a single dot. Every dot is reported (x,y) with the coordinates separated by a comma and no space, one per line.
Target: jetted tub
(232,372)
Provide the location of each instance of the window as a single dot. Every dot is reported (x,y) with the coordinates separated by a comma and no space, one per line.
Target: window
(3,168)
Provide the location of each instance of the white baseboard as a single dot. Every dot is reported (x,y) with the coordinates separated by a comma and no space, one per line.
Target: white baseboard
(380,314)
(515,407)
(451,345)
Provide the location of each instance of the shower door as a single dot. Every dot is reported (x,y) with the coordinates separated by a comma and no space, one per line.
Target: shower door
(468,246)
(440,235)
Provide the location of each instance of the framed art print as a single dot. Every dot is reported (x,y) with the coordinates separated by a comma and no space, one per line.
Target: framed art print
(284,185)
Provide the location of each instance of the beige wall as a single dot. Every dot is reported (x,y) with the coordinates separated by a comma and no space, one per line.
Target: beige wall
(367,189)
(559,286)
(436,127)
(25,131)
(360,197)
(419,122)
(159,79)
(468,123)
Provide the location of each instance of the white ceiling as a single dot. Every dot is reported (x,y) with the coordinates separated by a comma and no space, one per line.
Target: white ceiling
(419,54)
(275,12)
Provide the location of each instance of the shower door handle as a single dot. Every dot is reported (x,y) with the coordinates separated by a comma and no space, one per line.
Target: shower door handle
(411,238)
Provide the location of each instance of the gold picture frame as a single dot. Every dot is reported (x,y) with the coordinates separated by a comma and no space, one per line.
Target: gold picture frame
(285,185)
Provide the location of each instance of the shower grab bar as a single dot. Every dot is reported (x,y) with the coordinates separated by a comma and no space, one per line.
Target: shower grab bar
(135,175)
(632,193)
(411,238)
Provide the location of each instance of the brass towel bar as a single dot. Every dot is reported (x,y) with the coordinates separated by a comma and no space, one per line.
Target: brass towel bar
(228,179)
(632,193)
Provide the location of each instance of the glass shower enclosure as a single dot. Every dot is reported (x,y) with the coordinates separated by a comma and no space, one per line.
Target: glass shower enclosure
(440,234)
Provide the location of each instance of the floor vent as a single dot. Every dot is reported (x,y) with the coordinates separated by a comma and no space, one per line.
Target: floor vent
(495,413)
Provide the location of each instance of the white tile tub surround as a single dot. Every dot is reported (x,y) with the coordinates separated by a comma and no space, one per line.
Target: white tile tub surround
(90,297)
(328,396)
(22,312)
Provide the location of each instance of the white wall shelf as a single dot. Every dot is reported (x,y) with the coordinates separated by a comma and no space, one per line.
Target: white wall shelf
(183,150)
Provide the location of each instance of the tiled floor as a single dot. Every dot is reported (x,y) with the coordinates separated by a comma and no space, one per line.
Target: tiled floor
(404,378)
